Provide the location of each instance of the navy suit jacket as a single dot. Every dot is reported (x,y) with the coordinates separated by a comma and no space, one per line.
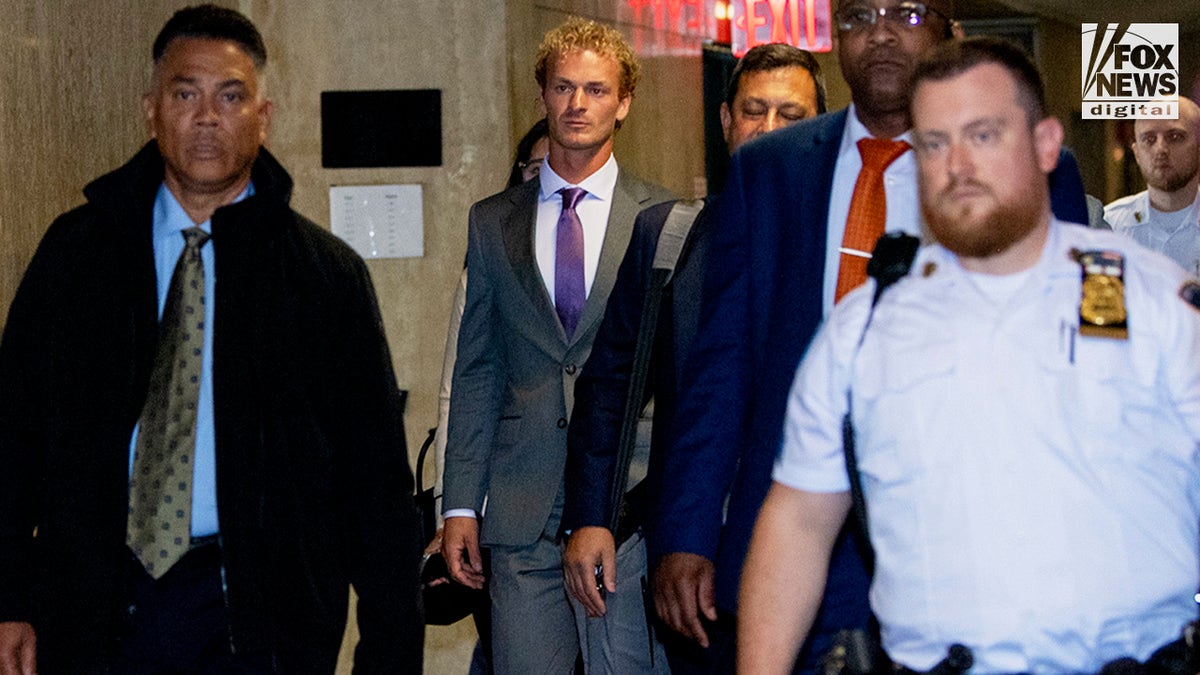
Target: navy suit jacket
(761,306)
(603,385)
(600,396)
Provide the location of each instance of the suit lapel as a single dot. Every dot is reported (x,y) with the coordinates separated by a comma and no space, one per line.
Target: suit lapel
(629,197)
(785,198)
(518,234)
(811,187)
(825,143)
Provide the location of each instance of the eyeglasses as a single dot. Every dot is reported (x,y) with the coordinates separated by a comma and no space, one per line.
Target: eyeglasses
(860,18)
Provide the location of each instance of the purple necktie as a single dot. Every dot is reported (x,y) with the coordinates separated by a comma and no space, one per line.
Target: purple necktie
(569,292)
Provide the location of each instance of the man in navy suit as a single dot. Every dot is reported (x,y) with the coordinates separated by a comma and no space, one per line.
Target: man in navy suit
(779,231)
(772,86)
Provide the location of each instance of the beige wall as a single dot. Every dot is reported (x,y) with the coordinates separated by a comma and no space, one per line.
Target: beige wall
(69,87)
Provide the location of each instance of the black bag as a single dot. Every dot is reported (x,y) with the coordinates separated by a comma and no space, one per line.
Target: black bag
(448,602)
(424,499)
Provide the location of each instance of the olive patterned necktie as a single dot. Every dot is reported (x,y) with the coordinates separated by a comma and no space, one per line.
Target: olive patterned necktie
(160,488)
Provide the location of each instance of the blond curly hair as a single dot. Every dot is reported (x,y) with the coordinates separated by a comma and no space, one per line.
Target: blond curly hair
(578,34)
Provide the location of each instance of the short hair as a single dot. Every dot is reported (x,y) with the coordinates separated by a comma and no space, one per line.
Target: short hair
(578,34)
(773,57)
(955,57)
(213,23)
(539,130)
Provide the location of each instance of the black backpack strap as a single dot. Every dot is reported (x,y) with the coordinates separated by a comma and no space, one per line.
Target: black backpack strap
(890,261)
(425,500)
(670,243)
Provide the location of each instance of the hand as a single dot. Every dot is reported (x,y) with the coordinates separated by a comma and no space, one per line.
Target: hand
(683,592)
(587,549)
(435,544)
(435,548)
(18,649)
(460,546)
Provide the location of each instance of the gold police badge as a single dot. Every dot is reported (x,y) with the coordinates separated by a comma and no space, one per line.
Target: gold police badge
(1102,310)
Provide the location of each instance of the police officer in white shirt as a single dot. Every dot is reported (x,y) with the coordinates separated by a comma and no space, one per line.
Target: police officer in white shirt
(1166,216)
(1027,406)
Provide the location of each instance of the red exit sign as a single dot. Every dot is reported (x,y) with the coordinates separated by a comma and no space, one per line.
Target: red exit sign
(803,23)
(743,24)
(684,16)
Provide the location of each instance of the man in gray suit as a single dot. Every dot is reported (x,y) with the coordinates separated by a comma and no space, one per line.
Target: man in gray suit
(543,257)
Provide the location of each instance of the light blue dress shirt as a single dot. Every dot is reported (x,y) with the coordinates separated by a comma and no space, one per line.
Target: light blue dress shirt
(170,220)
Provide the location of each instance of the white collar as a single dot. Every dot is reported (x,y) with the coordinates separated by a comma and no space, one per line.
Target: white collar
(599,185)
(856,131)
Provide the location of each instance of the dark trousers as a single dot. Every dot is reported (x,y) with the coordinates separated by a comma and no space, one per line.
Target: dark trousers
(481,657)
(688,658)
(178,623)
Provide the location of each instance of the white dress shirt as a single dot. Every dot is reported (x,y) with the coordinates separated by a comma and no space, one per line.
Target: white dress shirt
(1033,493)
(593,212)
(900,186)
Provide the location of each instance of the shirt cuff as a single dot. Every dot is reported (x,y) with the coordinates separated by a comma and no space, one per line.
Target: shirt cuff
(460,513)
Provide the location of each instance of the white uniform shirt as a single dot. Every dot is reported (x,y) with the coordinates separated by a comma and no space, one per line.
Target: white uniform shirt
(1032,493)
(1177,235)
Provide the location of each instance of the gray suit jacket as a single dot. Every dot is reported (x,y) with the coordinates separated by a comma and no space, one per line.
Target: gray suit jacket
(514,380)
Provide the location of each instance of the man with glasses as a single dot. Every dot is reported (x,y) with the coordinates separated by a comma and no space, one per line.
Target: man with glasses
(790,246)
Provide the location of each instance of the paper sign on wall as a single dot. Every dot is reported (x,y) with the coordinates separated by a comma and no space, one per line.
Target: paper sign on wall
(379,221)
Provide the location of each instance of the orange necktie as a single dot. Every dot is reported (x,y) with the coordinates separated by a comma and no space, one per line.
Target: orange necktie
(868,212)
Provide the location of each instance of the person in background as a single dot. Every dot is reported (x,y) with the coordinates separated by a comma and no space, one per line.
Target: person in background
(1165,217)
(771,87)
(1027,402)
(542,258)
(531,152)
(201,441)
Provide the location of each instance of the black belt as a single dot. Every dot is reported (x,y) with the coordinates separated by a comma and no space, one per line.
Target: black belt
(629,519)
(1179,657)
(206,540)
(1173,658)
